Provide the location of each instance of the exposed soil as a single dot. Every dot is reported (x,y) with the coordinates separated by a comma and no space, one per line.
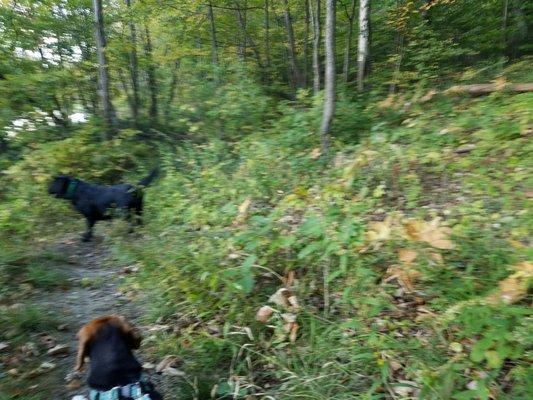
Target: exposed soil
(93,291)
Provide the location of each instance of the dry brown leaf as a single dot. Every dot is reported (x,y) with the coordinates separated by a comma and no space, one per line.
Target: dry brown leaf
(436,257)
(405,276)
(59,350)
(281,297)
(74,384)
(288,280)
(293,301)
(263,314)
(379,230)
(288,317)
(407,256)
(514,287)
(166,362)
(242,211)
(428,96)
(293,332)
(430,232)
(315,154)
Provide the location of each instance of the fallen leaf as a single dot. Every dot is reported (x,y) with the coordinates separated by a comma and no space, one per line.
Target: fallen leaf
(166,362)
(514,287)
(436,257)
(263,314)
(395,365)
(293,301)
(407,256)
(472,385)
(456,347)
(280,298)
(429,232)
(288,317)
(404,275)
(74,384)
(242,211)
(378,231)
(148,366)
(315,154)
(60,349)
(171,371)
(288,280)
(293,332)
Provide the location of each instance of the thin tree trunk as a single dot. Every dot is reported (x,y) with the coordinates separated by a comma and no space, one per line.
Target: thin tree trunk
(247,39)
(363,47)
(267,36)
(306,46)
(329,87)
(103,76)
(241,37)
(348,43)
(315,21)
(134,68)
(150,72)
(296,76)
(124,84)
(504,25)
(213,33)
(396,74)
(172,89)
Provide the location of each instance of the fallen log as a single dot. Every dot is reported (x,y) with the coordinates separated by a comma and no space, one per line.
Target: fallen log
(487,88)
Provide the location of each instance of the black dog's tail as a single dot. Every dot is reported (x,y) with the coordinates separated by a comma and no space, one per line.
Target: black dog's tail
(147,180)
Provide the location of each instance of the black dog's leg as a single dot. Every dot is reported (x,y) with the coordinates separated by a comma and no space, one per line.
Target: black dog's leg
(139,213)
(89,233)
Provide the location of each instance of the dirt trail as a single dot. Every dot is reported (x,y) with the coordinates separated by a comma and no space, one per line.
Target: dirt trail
(93,291)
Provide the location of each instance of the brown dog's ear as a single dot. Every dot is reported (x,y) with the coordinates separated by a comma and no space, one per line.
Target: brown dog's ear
(131,334)
(85,335)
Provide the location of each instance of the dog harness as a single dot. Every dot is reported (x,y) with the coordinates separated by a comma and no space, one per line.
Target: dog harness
(132,391)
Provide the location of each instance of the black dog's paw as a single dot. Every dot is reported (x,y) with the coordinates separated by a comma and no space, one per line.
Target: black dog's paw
(86,238)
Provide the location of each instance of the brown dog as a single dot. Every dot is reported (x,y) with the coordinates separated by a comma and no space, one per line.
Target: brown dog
(108,341)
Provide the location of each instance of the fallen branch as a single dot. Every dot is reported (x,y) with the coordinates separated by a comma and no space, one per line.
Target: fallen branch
(487,88)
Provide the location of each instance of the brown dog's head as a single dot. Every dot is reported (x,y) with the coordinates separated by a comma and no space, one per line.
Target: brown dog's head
(90,330)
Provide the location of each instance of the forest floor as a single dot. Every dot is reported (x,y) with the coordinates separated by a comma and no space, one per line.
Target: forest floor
(91,288)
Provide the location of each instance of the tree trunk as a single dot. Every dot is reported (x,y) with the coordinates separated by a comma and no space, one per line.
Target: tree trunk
(306,46)
(150,72)
(213,33)
(296,76)
(172,89)
(363,46)
(315,21)
(396,74)
(247,39)
(134,68)
(329,84)
(103,76)
(504,25)
(348,44)
(267,36)
(487,88)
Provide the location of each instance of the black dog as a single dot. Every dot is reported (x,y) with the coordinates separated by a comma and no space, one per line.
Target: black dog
(114,372)
(96,201)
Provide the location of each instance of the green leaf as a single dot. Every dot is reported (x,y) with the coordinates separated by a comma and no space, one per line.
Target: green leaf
(313,247)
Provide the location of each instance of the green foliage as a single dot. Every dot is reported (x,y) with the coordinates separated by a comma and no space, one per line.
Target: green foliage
(216,258)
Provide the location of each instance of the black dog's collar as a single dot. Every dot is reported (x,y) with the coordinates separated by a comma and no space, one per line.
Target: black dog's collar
(71,188)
